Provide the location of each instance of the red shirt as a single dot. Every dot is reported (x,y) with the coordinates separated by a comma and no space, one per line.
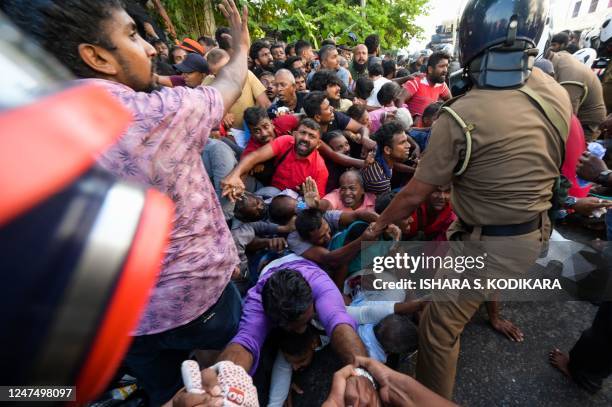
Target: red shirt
(574,147)
(435,227)
(282,125)
(421,94)
(293,170)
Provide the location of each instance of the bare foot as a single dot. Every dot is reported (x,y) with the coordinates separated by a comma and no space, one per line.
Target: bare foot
(559,360)
(507,328)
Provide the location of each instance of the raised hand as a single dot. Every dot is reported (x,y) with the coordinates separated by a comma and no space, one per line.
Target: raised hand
(311,193)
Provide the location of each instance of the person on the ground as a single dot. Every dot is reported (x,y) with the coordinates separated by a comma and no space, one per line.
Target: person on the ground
(161,149)
(349,196)
(297,158)
(483,195)
(430,88)
(393,147)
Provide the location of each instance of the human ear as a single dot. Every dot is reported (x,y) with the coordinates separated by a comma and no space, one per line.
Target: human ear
(99,59)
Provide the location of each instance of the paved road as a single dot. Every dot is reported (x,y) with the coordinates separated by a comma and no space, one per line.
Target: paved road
(494,371)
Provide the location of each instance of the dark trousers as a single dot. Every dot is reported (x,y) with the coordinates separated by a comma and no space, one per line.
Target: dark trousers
(155,360)
(591,357)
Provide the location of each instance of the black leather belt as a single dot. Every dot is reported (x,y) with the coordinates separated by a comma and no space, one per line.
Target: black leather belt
(507,230)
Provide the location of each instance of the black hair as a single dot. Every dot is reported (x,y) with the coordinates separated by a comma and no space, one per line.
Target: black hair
(156,41)
(384,135)
(276,45)
(326,49)
(61,26)
(375,69)
(296,344)
(436,57)
(209,41)
(242,206)
(285,297)
(330,135)
(297,73)
(402,72)
(328,41)
(308,221)
(310,123)
(356,112)
(290,60)
(572,48)
(280,212)
(253,115)
(264,73)
(364,87)
(372,41)
(322,79)
(389,67)
(383,200)
(256,47)
(397,334)
(288,49)
(171,53)
(223,42)
(312,103)
(301,45)
(432,109)
(388,92)
(561,38)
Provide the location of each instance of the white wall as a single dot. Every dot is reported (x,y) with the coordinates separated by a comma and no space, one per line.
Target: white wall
(563,9)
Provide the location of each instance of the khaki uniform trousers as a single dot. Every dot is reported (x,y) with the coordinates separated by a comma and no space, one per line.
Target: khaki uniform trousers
(445,317)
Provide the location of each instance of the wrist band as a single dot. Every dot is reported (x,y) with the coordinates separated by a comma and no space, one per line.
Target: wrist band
(366,374)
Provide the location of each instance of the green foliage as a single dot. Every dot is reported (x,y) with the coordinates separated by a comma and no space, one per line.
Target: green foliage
(312,20)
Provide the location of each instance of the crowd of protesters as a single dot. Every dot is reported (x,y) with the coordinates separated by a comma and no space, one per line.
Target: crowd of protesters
(278,156)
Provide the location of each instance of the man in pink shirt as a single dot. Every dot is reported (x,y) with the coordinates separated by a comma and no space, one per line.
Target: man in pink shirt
(427,89)
(192,305)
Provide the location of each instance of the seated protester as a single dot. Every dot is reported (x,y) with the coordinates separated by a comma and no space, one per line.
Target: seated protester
(318,107)
(219,160)
(267,79)
(376,75)
(289,294)
(392,108)
(253,92)
(421,134)
(360,114)
(393,147)
(430,221)
(327,81)
(350,196)
(289,100)
(363,89)
(297,158)
(300,80)
(314,230)
(394,334)
(282,209)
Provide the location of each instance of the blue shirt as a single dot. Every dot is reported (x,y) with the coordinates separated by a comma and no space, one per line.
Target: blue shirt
(421,136)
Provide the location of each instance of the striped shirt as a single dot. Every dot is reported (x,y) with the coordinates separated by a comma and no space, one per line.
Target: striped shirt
(375,180)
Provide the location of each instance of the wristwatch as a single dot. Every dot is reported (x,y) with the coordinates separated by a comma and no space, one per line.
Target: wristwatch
(602,178)
(367,375)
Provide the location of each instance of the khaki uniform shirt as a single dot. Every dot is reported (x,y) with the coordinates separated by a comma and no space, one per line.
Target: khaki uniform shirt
(592,112)
(516,153)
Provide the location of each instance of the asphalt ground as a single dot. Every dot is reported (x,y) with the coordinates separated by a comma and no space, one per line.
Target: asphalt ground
(492,370)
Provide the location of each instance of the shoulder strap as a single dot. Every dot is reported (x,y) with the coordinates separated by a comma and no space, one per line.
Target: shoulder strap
(467,131)
(585,88)
(551,114)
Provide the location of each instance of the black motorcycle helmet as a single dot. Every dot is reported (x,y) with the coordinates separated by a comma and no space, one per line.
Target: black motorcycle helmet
(494,36)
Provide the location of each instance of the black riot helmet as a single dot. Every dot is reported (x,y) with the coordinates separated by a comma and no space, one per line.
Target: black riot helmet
(497,40)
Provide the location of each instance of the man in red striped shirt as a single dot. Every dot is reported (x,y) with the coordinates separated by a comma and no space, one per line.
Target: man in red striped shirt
(427,89)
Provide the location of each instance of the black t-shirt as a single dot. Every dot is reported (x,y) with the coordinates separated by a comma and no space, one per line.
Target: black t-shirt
(298,105)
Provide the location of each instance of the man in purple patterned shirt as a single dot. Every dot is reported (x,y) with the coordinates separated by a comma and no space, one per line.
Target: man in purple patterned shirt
(193,305)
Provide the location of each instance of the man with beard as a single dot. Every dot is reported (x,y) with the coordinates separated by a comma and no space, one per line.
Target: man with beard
(428,89)
(99,43)
(297,159)
(261,56)
(359,66)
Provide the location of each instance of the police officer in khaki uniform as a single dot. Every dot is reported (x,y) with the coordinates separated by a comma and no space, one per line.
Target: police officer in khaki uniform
(503,184)
(584,89)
